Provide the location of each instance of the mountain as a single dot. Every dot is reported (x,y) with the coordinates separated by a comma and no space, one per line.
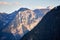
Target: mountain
(6,36)
(23,9)
(40,12)
(48,28)
(3,20)
(21,22)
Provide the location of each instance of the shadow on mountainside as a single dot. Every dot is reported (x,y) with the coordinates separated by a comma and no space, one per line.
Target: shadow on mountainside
(6,36)
(48,28)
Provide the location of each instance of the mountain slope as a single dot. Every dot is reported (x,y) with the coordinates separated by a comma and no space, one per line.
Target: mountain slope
(41,12)
(48,28)
(3,20)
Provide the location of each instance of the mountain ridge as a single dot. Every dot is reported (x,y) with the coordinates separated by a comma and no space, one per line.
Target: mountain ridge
(21,21)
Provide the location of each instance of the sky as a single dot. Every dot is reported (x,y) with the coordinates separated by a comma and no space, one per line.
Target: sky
(9,6)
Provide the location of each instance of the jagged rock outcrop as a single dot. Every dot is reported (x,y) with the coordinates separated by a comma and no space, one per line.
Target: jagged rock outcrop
(48,28)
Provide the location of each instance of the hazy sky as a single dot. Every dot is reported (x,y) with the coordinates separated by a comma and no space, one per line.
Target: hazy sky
(9,6)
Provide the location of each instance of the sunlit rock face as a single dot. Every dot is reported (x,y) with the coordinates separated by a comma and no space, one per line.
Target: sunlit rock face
(23,22)
(28,19)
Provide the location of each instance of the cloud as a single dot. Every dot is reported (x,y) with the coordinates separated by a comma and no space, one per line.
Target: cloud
(4,3)
(16,3)
(9,3)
